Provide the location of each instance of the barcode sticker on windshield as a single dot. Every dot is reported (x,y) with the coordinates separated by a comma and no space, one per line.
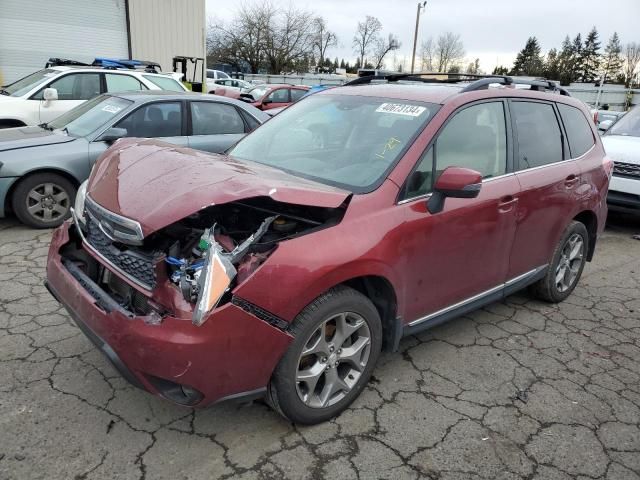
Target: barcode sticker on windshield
(111,109)
(401,109)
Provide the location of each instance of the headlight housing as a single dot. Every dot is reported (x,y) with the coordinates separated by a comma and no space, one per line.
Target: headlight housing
(78,206)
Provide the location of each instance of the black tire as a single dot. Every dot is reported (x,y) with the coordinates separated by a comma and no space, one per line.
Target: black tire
(282,393)
(547,288)
(60,210)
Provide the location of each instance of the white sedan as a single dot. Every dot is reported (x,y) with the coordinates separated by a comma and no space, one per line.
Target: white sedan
(622,143)
(231,84)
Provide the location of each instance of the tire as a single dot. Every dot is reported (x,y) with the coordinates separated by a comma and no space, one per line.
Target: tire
(550,288)
(339,382)
(43,200)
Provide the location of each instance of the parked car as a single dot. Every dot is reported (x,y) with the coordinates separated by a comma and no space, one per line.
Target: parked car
(269,96)
(606,119)
(48,93)
(622,143)
(232,84)
(212,76)
(41,167)
(356,216)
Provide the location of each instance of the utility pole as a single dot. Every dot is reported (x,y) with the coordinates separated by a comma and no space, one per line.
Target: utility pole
(421,6)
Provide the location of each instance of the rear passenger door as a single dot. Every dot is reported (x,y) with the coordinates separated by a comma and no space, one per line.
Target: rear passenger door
(548,180)
(120,82)
(163,120)
(215,126)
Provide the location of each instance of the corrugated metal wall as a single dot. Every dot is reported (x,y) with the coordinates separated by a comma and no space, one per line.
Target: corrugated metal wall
(162,29)
(32,31)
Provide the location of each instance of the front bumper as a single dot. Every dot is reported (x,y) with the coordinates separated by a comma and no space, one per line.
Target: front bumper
(231,354)
(624,194)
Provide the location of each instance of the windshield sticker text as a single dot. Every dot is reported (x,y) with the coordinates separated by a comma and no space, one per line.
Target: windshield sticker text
(111,109)
(401,109)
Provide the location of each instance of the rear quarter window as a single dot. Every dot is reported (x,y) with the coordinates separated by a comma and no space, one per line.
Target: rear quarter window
(579,133)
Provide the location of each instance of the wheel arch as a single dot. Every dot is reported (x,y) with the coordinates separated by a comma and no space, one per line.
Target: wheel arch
(590,220)
(63,173)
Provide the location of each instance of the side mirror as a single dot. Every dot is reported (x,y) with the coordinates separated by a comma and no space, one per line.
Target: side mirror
(112,134)
(454,182)
(267,101)
(605,125)
(50,94)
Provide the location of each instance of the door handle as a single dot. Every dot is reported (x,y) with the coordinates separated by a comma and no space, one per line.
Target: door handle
(506,203)
(571,180)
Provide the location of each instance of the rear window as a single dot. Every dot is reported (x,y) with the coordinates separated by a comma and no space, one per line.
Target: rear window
(579,133)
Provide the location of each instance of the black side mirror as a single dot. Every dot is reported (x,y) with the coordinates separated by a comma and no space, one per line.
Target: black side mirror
(454,182)
(112,134)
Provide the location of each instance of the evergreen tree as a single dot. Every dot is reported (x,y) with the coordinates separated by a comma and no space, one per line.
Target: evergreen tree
(335,64)
(612,61)
(552,65)
(342,64)
(576,63)
(565,61)
(528,62)
(589,57)
(500,70)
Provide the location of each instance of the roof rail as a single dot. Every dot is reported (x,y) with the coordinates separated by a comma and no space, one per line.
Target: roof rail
(111,63)
(56,62)
(478,82)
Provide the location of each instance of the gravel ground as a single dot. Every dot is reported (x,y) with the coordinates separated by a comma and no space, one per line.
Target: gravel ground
(520,389)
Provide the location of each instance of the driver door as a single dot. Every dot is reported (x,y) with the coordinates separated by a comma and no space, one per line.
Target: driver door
(73,89)
(276,99)
(162,120)
(463,251)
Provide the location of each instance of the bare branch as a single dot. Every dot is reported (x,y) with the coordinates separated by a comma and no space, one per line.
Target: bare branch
(366,36)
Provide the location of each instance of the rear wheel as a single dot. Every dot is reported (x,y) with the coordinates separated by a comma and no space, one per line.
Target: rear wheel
(43,200)
(337,343)
(566,265)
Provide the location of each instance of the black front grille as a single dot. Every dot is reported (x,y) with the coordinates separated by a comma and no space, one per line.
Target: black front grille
(629,170)
(135,265)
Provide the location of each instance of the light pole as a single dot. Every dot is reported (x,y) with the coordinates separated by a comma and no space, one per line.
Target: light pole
(421,6)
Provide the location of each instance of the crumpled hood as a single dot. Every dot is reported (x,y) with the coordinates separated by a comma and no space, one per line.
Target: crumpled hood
(23,137)
(622,148)
(157,184)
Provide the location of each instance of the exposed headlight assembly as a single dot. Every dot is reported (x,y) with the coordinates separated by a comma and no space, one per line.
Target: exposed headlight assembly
(78,206)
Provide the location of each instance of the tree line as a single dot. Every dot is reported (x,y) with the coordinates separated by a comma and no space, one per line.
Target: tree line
(578,60)
(263,37)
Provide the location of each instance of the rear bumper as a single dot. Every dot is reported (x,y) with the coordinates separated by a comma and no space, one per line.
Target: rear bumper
(232,353)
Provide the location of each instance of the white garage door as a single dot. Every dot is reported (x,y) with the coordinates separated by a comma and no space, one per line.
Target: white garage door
(32,31)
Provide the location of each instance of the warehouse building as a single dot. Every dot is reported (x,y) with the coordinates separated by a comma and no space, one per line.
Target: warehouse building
(32,31)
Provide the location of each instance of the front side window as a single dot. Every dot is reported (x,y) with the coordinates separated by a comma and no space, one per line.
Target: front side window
(75,86)
(279,96)
(209,118)
(90,116)
(539,135)
(297,94)
(579,132)
(165,83)
(154,120)
(25,84)
(122,83)
(344,140)
(474,138)
(628,125)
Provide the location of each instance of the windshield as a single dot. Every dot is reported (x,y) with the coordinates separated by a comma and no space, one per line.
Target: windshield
(343,140)
(629,124)
(165,83)
(26,84)
(258,92)
(89,116)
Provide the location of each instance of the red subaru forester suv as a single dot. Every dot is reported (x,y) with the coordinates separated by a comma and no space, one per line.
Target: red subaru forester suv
(357,216)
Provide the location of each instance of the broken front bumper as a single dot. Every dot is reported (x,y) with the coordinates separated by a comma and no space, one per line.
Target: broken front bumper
(232,354)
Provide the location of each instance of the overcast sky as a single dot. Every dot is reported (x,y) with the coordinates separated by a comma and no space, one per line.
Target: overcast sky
(492,30)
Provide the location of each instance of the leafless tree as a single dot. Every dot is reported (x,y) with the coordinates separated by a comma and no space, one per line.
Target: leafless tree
(366,36)
(449,50)
(383,47)
(323,38)
(631,60)
(427,49)
(474,67)
(289,38)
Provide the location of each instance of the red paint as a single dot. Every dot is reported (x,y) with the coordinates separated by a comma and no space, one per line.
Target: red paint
(260,103)
(431,261)
(456,178)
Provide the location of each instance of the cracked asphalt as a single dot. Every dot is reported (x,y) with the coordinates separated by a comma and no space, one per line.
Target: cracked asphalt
(518,390)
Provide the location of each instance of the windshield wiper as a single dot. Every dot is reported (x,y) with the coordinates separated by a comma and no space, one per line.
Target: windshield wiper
(4,92)
(46,126)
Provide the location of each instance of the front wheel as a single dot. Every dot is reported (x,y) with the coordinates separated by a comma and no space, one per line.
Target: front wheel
(43,200)
(338,339)
(566,265)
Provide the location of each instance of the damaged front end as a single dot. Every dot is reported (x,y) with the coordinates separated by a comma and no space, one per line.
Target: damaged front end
(192,266)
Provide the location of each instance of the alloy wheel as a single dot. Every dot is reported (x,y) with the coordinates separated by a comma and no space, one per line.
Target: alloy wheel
(570,262)
(333,359)
(48,202)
